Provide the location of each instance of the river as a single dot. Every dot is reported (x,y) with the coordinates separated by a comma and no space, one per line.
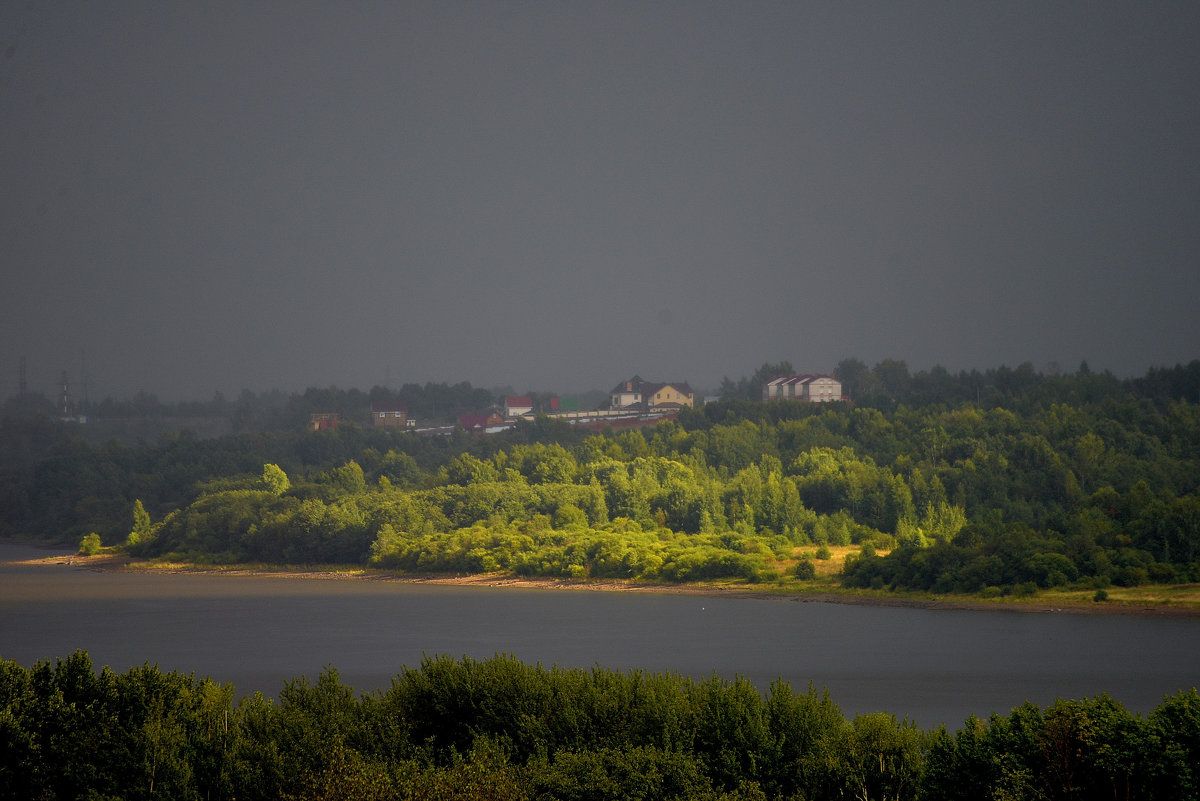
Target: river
(931,666)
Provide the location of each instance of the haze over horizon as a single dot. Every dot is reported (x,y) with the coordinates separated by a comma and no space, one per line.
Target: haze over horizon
(557,196)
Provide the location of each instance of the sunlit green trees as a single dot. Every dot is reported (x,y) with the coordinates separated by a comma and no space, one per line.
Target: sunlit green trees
(977,500)
(275,479)
(90,544)
(141,524)
(1009,479)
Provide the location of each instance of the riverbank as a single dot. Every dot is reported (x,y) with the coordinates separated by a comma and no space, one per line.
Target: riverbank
(1154,601)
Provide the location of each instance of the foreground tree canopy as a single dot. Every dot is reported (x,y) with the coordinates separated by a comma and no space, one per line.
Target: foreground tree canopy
(1005,482)
(500,729)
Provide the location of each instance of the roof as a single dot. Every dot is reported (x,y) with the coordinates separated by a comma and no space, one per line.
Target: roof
(632,385)
(682,386)
(802,378)
(518,400)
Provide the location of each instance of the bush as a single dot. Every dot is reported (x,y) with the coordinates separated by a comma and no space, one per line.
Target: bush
(1101,595)
(1162,573)
(1130,576)
(1026,589)
(806,570)
(823,552)
(90,545)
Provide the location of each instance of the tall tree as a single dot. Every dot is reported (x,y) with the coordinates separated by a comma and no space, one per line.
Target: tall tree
(141,523)
(893,377)
(276,480)
(853,374)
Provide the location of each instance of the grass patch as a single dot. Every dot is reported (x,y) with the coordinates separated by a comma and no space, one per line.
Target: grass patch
(826,581)
(1182,596)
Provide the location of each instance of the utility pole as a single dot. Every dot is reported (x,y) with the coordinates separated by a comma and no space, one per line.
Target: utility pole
(65,401)
(84,375)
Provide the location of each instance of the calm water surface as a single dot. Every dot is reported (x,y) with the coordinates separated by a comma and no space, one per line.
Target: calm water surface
(930,666)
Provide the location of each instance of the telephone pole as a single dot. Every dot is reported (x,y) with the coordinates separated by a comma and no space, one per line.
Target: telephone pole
(65,401)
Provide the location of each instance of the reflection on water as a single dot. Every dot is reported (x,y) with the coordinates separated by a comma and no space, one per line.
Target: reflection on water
(930,666)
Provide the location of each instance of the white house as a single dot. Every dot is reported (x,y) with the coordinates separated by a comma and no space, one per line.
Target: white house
(517,405)
(805,387)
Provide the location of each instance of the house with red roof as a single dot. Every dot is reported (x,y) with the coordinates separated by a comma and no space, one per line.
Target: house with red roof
(480,423)
(323,421)
(517,405)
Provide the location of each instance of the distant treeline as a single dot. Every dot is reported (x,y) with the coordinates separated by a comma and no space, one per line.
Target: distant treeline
(889,382)
(500,729)
(275,411)
(1085,482)
(883,386)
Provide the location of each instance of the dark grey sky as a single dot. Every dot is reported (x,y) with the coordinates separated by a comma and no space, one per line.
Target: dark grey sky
(205,197)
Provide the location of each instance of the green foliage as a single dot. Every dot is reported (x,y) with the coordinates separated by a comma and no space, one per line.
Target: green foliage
(348,479)
(940,523)
(884,759)
(1002,479)
(141,524)
(1072,749)
(90,544)
(275,479)
(638,772)
(751,388)
(497,728)
(73,732)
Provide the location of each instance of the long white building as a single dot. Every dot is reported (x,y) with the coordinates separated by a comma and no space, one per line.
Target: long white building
(805,387)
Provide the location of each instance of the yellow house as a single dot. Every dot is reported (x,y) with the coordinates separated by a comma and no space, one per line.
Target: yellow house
(647,395)
(670,396)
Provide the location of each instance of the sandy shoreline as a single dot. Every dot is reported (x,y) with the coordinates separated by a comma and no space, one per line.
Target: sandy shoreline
(119,563)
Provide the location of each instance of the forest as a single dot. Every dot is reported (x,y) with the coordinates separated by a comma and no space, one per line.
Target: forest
(997,483)
(501,729)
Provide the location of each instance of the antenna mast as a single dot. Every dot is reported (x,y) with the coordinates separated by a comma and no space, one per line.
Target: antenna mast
(65,401)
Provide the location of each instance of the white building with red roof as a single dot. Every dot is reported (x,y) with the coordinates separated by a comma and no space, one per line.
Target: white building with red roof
(517,405)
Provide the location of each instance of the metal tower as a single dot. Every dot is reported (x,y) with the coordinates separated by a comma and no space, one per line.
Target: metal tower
(65,400)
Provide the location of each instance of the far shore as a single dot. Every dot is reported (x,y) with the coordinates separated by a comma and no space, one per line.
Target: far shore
(1159,601)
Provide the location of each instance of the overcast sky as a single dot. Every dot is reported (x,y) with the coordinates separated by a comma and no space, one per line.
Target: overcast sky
(557,195)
